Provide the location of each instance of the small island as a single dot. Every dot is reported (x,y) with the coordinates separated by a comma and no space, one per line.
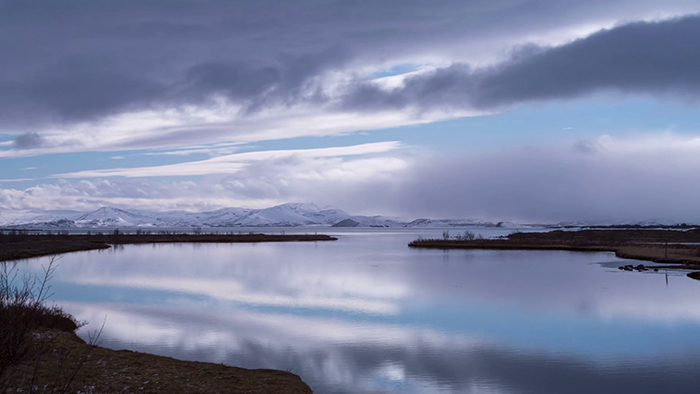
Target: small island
(678,249)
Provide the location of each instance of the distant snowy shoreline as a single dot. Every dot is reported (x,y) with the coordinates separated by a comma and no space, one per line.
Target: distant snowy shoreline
(285,215)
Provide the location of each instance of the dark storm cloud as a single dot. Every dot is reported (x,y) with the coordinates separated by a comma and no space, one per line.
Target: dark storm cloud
(654,58)
(82,60)
(28,141)
(85,86)
(660,58)
(452,86)
(281,82)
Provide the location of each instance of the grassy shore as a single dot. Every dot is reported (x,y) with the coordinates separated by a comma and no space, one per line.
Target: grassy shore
(678,249)
(55,360)
(94,369)
(22,246)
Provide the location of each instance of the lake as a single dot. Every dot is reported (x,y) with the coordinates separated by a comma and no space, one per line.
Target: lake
(367,314)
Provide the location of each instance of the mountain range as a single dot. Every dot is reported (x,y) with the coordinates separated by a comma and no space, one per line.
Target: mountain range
(285,215)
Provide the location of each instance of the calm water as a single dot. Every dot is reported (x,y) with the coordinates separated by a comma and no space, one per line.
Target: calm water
(367,314)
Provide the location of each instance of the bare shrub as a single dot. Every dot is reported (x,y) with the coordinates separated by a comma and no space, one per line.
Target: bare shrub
(468,235)
(27,331)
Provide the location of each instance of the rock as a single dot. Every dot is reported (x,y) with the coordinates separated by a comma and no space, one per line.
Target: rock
(694,275)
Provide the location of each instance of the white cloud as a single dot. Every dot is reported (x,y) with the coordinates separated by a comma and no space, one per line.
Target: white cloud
(17,180)
(232,163)
(211,150)
(222,124)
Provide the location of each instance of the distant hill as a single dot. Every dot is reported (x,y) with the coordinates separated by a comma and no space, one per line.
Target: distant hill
(346,223)
(285,215)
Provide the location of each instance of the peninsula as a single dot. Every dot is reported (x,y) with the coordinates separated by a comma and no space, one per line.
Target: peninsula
(675,248)
(22,245)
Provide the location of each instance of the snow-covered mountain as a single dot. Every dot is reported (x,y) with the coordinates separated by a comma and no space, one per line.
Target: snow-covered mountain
(113,217)
(285,215)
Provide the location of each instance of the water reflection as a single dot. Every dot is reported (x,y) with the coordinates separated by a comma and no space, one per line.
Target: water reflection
(368,314)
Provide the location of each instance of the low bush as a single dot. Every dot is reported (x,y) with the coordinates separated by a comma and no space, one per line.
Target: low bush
(24,317)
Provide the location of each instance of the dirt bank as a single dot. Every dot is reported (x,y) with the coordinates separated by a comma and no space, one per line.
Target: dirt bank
(106,371)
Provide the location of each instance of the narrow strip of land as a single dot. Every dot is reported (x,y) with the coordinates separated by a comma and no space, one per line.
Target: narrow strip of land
(679,249)
(24,246)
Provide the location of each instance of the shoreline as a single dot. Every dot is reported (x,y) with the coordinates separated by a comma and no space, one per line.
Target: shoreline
(678,249)
(25,246)
(102,370)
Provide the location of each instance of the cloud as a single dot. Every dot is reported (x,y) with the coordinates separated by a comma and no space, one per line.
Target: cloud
(252,179)
(588,146)
(653,58)
(644,57)
(290,80)
(232,163)
(212,150)
(90,76)
(28,141)
(622,180)
(218,125)
(89,195)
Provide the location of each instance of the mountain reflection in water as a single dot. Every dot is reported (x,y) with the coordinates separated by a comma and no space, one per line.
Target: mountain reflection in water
(367,314)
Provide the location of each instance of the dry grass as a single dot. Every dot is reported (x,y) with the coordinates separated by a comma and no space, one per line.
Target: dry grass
(101,370)
(24,314)
(674,254)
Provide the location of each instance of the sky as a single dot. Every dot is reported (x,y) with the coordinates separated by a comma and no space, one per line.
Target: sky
(520,110)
